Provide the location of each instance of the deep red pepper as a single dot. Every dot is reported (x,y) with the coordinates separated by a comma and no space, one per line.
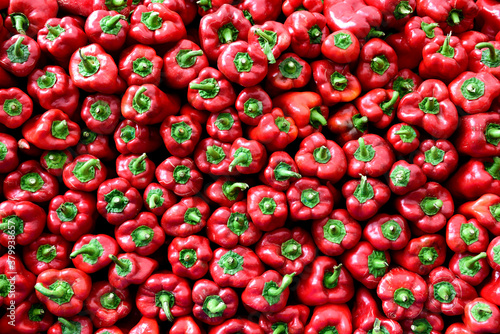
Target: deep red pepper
(281,168)
(185,218)
(212,304)
(186,325)
(107,305)
(347,124)
(404,82)
(420,30)
(212,156)
(130,268)
(95,251)
(478,135)
(108,29)
(235,326)
(452,15)
(252,103)
(211,91)
(55,161)
(474,92)
(136,169)
(290,6)
(476,178)
(19,55)
(157,199)
(491,289)
(180,134)
(484,58)
(189,256)
(17,282)
(485,210)
(84,173)
(287,73)
(422,254)
(379,106)
(261,11)
(267,292)
(48,251)
(180,176)
(403,138)
(472,268)
(118,201)
(142,235)
(365,197)
(488,17)
(140,65)
(328,318)
(408,58)
(425,321)
(387,232)
(182,64)
(9,159)
(272,37)
(131,137)
(27,18)
(292,319)
(22,223)
(355,16)
(405,177)
(470,38)
(274,130)
(308,30)
(308,199)
(17,107)
(437,158)
(101,113)
(334,82)
(30,316)
(482,316)
(224,125)
(97,145)
(146,326)
(395,14)
(377,64)
(226,191)
(186,9)
(466,235)
(370,155)
(78,324)
(341,46)
(267,207)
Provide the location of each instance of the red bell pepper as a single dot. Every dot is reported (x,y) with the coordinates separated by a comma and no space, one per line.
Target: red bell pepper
(157,199)
(107,305)
(212,304)
(404,82)
(48,251)
(9,159)
(259,12)
(308,30)
(165,296)
(101,113)
(336,233)
(85,173)
(224,125)
(267,207)
(488,17)
(472,268)
(212,156)
(481,316)
(95,251)
(248,156)
(267,292)
(22,223)
(130,268)
(281,168)
(474,92)
(180,176)
(55,161)
(76,324)
(131,137)
(271,37)
(16,282)
(186,325)
(366,264)
(118,201)
(291,319)
(493,252)
(185,218)
(341,46)
(452,15)
(484,58)
(235,326)
(189,256)
(17,107)
(330,318)
(274,130)
(405,177)
(288,72)
(139,65)
(71,215)
(478,135)
(290,6)
(139,170)
(180,134)
(182,64)
(422,254)
(437,158)
(107,28)
(428,207)
(61,37)
(63,291)
(395,14)
(142,235)
(444,58)
(482,173)
(466,235)
(365,197)
(211,91)
(226,191)
(308,199)
(377,64)
(229,227)
(30,316)
(387,232)
(379,106)
(491,289)
(19,55)
(408,58)
(347,124)
(30,182)
(235,267)
(252,103)
(146,326)
(370,155)
(97,145)
(325,282)
(471,38)
(458,328)
(485,210)
(403,294)
(448,294)
(425,321)
(52,130)
(27,18)
(334,82)
(420,30)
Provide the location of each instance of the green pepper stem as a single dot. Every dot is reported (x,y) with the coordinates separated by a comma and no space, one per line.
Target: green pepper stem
(469,263)
(252,108)
(285,173)
(491,47)
(447,50)
(378,62)
(431,204)
(52,30)
(495,167)
(237,160)
(138,97)
(17,46)
(85,249)
(403,132)
(434,153)
(37,311)
(216,306)
(4,284)
(57,292)
(4,226)
(429,29)
(186,57)
(86,62)
(47,251)
(68,324)
(85,168)
(61,126)
(339,82)
(483,309)
(316,117)
(264,35)
(287,280)
(332,279)
(192,216)
(363,150)
(113,21)
(153,19)
(430,103)
(390,104)
(374,33)
(360,122)
(137,161)
(376,327)
(118,3)
(444,292)
(213,153)
(228,35)
(165,306)
(455,17)
(280,329)
(204,3)
(200,86)
(493,133)
(290,249)
(236,187)
(118,262)
(19,22)
(153,200)
(45,81)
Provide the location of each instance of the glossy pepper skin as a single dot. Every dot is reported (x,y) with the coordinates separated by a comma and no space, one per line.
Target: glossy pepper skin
(425,321)
(292,318)
(422,254)
(365,197)
(452,15)
(356,16)
(404,82)
(377,64)
(252,103)
(211,91)
(405,177)
(91,253)
(48,251)
(30,182)
(272,37)
(308,30)
(157,199)
(428,207)
(334,82)
(101,113)
(224,125)
(336,233)
(234,326)
(226,191)
(131,137)
(267,292)
(490,62)
(267,207)
(55,161)
(22,222)
(480,172)
(403,294)
(12,270)
(107,305)
(248,156)
(180,176)
(182,64)
(107,28)
(28,18)
(477,135)
(165,296)
(485,210)
(84,173)
(327,316)
(118,201)
(420,30)
(142,235)
(472,268)
(30,317)
(53,130)
(287,73)
(474,92)
(308,199)
(370,155)
(481,316)
(63,291)
(130,268)
(325,281)
(139,170)
(139,65)
(212,304)
(379,106)
(347,124)
(274,130)
(187,217)
(180,134)
(186,324)
(9,159)
(448,294)
(491,289)
(466,235)
(71,324)
(235,267)
(387,232)
(437,158)
(492,253)
(280,171)
(341,46)
(366,264)
(22,60)
(243,63)
(287,251)
(146,325)
(189,256)
(17,107)
(211,156)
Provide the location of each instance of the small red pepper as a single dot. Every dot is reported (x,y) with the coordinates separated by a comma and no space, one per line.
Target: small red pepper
(248,156)
(330,317)
(291,319)
(486,210)
(17,282)
(252,103)
(274,130)
(185,218)
(287,73)
(403,138)
(478,135)
(308,199)
(84,173)
(308,30)
(131,137)
(226,191)
(224,125)
(281,168)
(95,251)
(474,92)
(182,64)
(404,82)
(347,124)
(130,268)
(118,201)
(491,289)
(472,268)
(356,16)
(212,304)
(180,176)
(146,326)
(157,199)
(370,155)
(19,55)
(101,113)
(184,325)
(139,170)
(377,64)
(17,107)
(267,207)
(108,29)
(97,145)
(387,232)
(9,159)
(142,235)
(55,161)
(365,197)
(78,324)
(189,256)
(212,156)
(475,178)
(379,106)
(180,134)
(452,15)
(405,177)
(466,235)
(139,65)
(272,37)
(30,316)
(48,251)
(107,305)
(341,46)
(426,320)
(482,316)
(422,254)
(437,158)
(267,292)
(211,91)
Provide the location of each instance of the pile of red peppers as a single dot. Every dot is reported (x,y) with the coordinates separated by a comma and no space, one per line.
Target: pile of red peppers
(250,166)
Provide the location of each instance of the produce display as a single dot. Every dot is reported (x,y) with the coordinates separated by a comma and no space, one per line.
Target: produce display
(250,166)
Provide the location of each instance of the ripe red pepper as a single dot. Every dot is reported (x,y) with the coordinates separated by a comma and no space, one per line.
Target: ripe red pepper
(482,316)
(146,326)
(452,15)
(97,145)
(458,328)
(347,124)
(101,113)
(165,296)
(271,37)
(185,325)
(267,207)
(224,125)
(490,62)
(478,135)
(235,326)
(30,316)
(235,267)
(274,130)
(485,210)
(212,156)
(48,251)
(404,82)
(28,18)
(379,106)
(288,72)
(180,176)
(9,159)
(422,254)
(185,218)
(482,173)
(403,294)
(63,291)
(366,264)
(248,156)
(405,177)
(212,304)
(308,30)
(180,134)
(17,107)
(370,155)
(387,232)
(131,137)
(157,199)
(356,16)
(281,168)
(139,170)
(19,55)
(472,268)
(377,64)
(139,65)
(77,324)
(308,199)
(491,289)
(55,161)
(243,63)
(365,197)
(61,37)
(336,233)
(252,103)
(437,158)
(426,320)
(142,235)
(189,256)
(466,235)
(341,46)
(84,173)
(53,130)
(492,253)
(108,29)
(325,282)
(334,82)
(226,191)
(95,251)
(211,91)
(71,215)
(420,30)
(474,92)
(291,319)
(107,305)
(182,64)
(17,282)
(428,207)
(290,6)
(267,292)
(30,182)
(395,14)
(118,201)
(448,294)
(330,317)
(130,268)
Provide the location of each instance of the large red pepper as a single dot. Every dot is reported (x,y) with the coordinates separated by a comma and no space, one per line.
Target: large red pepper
(288,72)
(139,170)
(274,130)
(30,317)
(158,199)
(370,155)
(185,325)
(91,253)
(189,256)
(341,46)
(118,201)
(19,55)
(486,210)
(212,304)
(212,156)
(211,91)
(325,282)
(421,30)
(146,326)
(334,82)
(182,64)
(142,235)
(379,106)
(226,191)
(437,158)
(267,207)
(185,218)
(140,65)
(280,169)
(377,64)
(101,113)
(49,251)
(387,232)
(22,223)
(331,317)
(107,28)
(405,177)
(452,15)
(472,268)
(466,235)
(85,173)
(395,14)
(308,30)
(478,135)
(63,291)
(488,16)
(17,107)
(484,58)
(422,254)
(130,268)
(16,282)
(180,176)
(180,134)
(107,305)
(365,197)
(243,63)
(27,18)
(476,178)
(131,137)
(252,103)
(291,319)
(165,296)
(308,199)
(224,125)
(474,92)
(482,316)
